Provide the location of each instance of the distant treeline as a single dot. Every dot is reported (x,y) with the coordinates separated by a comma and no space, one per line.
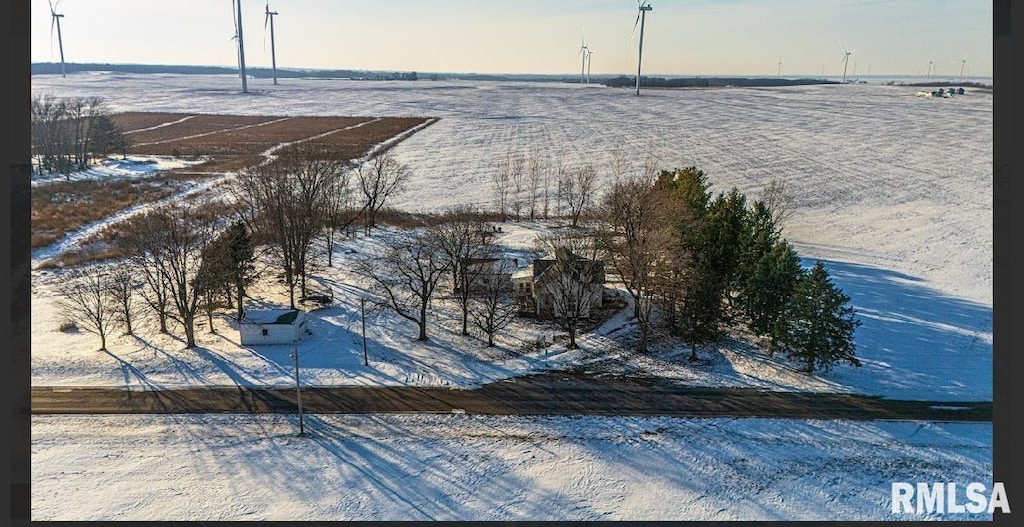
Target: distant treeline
(709,82)
(947,83)
(52,68)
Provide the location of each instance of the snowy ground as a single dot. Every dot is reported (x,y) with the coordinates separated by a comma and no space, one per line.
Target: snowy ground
(465,467)
(894,191)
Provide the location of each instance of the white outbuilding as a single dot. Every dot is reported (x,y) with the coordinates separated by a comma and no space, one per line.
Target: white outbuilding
(271,326)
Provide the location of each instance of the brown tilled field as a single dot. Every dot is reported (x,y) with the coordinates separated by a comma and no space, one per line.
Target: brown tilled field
(234,142)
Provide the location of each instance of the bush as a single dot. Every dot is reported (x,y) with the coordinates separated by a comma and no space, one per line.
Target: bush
(68,326)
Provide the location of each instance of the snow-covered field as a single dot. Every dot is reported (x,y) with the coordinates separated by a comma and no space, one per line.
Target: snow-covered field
(892,190)
(466,467)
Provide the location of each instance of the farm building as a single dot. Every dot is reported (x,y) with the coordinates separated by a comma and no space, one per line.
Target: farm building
(547,287)
(487,274)
(271,326)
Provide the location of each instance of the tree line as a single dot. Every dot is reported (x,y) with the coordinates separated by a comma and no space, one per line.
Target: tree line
(709,261)
(68,134)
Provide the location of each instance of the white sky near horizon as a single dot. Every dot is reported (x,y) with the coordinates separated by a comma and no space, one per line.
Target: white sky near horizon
(698,37)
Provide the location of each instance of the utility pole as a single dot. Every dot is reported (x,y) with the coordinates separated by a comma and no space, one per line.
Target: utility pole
(362,306)
(298,391)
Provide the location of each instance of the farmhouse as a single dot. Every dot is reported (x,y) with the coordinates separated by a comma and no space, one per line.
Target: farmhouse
(271,326)
(567,284)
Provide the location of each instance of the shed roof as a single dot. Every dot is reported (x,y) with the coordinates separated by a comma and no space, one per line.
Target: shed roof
(270,316)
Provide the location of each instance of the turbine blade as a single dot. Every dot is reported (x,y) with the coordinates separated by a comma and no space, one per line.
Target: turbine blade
(634,26)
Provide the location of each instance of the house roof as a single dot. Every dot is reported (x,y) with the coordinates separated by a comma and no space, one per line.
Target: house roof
(270,316)
(541,267)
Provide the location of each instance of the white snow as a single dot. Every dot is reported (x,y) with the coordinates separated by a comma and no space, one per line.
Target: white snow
(893,191)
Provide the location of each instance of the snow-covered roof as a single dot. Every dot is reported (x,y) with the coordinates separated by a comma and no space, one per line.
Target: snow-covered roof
(270,316)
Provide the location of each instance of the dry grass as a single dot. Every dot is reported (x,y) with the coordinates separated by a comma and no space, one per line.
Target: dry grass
(247,135)
(106,245)
(59,208)
(354,143)
(131,122)
(175,128)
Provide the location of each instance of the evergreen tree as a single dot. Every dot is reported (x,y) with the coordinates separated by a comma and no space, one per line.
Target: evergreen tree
(689,185)
(700,309)
(820,324)
(241,262)
(721,240)
(767,275)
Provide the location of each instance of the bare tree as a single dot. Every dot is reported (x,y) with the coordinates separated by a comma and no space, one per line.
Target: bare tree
(555,171)
(536,170)
(123,288)
(519,184)
(573,280)
(577,188)
(619,164)
(463,238)
(501,183)
(381,177)
(286,200)
(641,236)
(85,298)
(406,275)
(778,200)
(340,211)
(491,305)
(171,240)
(145,256)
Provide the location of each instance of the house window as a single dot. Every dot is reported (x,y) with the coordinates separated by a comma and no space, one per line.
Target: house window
(265,333)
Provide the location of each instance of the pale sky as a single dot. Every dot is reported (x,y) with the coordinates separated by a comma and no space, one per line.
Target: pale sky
(681,37)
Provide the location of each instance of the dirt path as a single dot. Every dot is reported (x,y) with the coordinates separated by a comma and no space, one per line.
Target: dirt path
(548,394)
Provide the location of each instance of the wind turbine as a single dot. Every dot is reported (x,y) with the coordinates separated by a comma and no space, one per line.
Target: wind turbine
(963,63)
(55,20)
(589,53)
(273,55)
(236,6)
(779,74)
(846,59)
(643,7)
(583,64)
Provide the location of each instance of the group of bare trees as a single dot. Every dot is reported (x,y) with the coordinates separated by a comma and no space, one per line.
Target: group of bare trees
(67,134)
(177,260)
(187,258)
(411,271)
(306,192)
(532,186)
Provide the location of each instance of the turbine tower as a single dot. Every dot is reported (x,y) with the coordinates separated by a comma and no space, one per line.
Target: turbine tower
(273,55)
(643,7)
(963,62)
(779,74)
(236,6)
(55,20)
(583,64)
(846,59)
(589,53)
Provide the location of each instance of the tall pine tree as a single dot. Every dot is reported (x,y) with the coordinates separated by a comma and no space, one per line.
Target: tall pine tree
(819,323)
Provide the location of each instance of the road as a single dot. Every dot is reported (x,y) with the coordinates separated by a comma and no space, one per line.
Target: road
(547,394)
